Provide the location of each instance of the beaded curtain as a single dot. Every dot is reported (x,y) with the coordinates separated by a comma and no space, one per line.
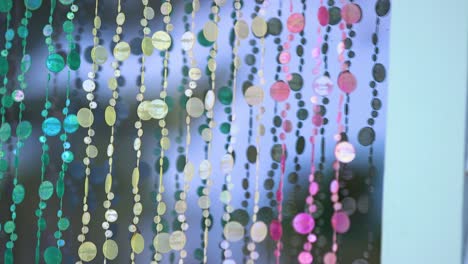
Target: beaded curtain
(360,181)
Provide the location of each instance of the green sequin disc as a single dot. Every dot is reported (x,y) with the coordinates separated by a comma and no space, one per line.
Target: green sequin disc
(26,63)
(55,63)
(3,65)
(5,132)
(24,130)
(67,156)
(225,128)
(52,255)
(51,126)
(74,60)
(202,40)
(67,2)
(63,224)
(3,165)
(60,188)
(7,101)
(68,27)
(32,4)
(5,5)
(18,194)
(8,256)
(70,124)
(46,190)
(225,95)
(9,227)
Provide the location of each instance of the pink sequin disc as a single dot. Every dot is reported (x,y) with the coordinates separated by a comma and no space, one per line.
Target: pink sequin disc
(340,222)
(345,152)
(323,16)
(280,91)
(296,23)
(303,223)
(287,126)
(347,82)
(276,230)
(351,13)
(323,85)
(305,258)
(329,258)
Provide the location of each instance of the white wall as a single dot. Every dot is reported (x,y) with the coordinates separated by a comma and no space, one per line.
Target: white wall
(423,184)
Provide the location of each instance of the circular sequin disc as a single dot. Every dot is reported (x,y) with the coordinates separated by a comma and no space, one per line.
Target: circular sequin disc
(157,109)
(296,23)
(85,117)
(259,27)
(177,240)
(323,85)
(276,230)
(323,16)
(87,251)
(340,222)
(142,111)
(70,124)
(280,91)
(210,31)
(46,189)
(111,215)
(51,126)
(147,46)
(6,5)
(242,29)
(137,243)
(188,40)
(122,51)
(379,73)
(366,136)
(303,223)
(161,40)
(99,55)
(254,95)
(52,255)
(55,62)
(233,231)
(24,129)
(110,249)
(227,163)
(329,258)
(345,152)
(351,13)
(258,232)
(347,82)
(162,243)
(382,7)
(305,257)
(32,4)
(195,107)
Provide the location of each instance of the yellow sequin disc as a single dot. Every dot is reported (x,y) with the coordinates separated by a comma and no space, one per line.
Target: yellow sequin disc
(259,27)
(87,251)
(233,231)
(210,31)
(254,95)
(110,249)
(122,51)
(195,107)
(161,243)
(161,40)
(177,240)
(157,109)
(137,243)
(85,117)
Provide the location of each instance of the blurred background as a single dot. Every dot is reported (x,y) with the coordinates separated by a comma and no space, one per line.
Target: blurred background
(361,182)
